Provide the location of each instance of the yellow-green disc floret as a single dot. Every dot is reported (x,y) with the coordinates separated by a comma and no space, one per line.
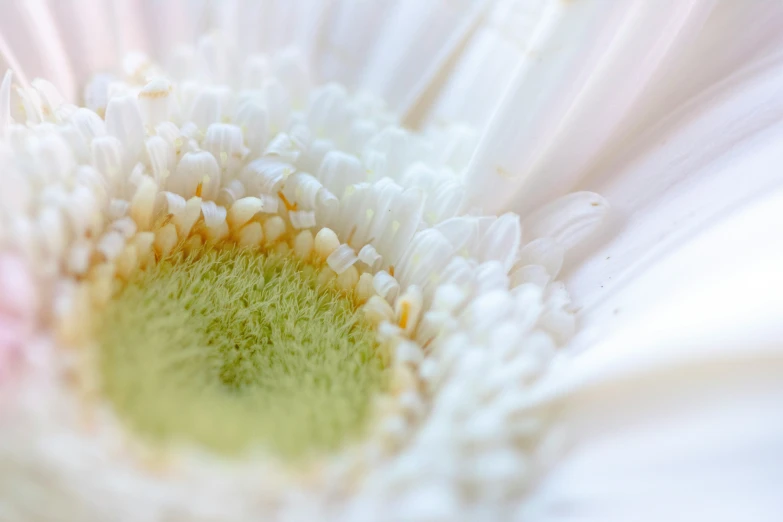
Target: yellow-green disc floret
(230,349)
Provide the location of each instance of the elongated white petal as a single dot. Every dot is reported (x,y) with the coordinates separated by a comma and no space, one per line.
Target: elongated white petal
(339,170)
(463,232)
(224,141)
(669,193)
(210,106)
(352,29)
(501,241)
(402,71)
(253,119)
(30,31)
(545,252)
(196,169)
(707,60)
(155,102)
(547,111)
(124,121)
(86,33)
(691,367)
(487,65)
(716,449)
(569,220)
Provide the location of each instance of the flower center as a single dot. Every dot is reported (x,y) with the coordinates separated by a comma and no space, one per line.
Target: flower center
(230,348)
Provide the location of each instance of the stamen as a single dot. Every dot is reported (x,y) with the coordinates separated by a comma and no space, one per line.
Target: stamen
(291,207)
(351,234)
(406,308)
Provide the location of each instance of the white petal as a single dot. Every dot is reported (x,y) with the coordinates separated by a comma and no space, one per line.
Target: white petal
(89,124)
(211,105)
(107,155)
(339,170)
(352,28)
(484,70)
(490,276)
(87,36)
(426,255)
(243,211)
(155,102)
(290,68)
(462,231)
(501,241)
(31,34)
(402,69)
(161,158)
(265,175)
(193,169)
(545,252)
(253,120)
(123,121)
(555,103)
(328,113)
(301,219)
(570,219)
(386,286)
(278,104)
(213,214)
(369,256)
(670,192)
(688,362)
(342,259)
(224,141)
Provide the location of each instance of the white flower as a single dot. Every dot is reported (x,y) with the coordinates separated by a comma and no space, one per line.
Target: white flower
(519,103)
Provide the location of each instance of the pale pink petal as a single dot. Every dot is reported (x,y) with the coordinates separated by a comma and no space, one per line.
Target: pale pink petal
(18,309)
(30,33)
(19,296)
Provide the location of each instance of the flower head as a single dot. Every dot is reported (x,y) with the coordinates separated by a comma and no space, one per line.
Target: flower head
(272,284)
(242,287)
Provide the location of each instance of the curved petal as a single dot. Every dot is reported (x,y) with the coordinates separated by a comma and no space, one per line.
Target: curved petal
(716,296)
(350,28)
(586,65)
(719,152)
(710,58)
(416,44)
(484,69)
(271,24)
(673,412)
(87,36)
(30,43)
(702,443)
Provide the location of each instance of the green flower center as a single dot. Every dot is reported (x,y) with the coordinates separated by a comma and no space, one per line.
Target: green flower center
(230,349)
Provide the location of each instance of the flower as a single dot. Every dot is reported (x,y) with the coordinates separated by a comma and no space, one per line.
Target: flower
(169,170)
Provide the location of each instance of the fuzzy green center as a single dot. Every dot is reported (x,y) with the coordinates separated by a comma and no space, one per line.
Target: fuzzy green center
(230,349)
